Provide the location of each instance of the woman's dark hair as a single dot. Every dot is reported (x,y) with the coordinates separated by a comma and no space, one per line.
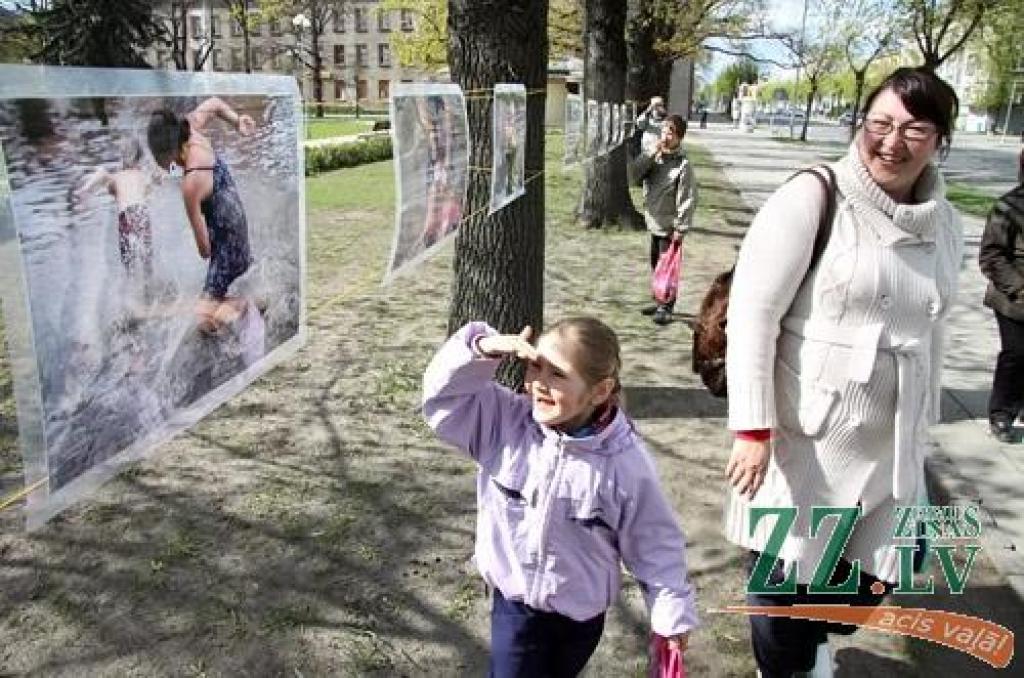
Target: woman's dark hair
(925,95)
(678,123)
(166,133)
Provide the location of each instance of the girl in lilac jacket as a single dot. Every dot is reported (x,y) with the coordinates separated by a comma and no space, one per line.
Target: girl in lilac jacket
(565,492)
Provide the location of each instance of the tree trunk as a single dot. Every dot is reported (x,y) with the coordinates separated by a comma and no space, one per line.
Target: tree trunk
(605,198)
(807,110)
(648,74)
(245,45)
(318,70)
(499,259)
(858,92)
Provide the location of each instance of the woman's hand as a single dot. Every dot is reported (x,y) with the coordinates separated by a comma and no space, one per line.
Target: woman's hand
(246,125)
(747,465)
(502,345)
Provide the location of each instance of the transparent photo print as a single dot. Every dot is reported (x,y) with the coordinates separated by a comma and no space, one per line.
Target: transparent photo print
(152,235)
(509,145)
(573,130)
(430,137)
(606,128)
(593,128)
(616,125)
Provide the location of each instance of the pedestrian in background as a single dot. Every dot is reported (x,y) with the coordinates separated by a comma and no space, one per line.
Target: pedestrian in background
(1001,257)
(670,197)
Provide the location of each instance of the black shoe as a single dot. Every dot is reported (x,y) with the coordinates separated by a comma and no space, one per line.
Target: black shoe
(1002,429)
(662,316)
(649,310)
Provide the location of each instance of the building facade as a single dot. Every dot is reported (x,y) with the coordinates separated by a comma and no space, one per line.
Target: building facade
(967,74)
(355,48)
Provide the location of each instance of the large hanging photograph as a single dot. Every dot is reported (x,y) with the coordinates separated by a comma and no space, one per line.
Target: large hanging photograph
(430,137)
(152,239)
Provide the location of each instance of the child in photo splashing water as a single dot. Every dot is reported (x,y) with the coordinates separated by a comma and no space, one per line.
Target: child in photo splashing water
(129,187)
(566,491)
(212,203)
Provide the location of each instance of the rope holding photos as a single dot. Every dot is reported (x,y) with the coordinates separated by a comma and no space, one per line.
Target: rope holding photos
(14,498)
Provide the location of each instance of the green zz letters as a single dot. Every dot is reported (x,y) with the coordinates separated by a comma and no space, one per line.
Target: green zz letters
(846,519)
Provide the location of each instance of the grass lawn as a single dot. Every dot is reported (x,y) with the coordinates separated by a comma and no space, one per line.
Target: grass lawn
(968,199)
(323,128)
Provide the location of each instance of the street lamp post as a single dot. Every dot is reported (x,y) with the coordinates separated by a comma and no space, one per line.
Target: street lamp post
(301,24)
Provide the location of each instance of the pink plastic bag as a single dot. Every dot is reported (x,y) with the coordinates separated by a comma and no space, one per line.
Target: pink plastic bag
(666,661)
(665,283)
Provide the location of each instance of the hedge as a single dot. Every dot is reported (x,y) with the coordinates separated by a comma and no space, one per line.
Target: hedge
(324,158)
(346,109)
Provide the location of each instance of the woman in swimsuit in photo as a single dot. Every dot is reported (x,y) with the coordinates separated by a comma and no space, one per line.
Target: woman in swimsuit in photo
(212,203)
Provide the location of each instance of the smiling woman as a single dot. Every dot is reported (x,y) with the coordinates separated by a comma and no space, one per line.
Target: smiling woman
(833,367)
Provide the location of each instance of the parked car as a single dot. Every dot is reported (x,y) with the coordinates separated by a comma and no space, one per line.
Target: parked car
(845,119)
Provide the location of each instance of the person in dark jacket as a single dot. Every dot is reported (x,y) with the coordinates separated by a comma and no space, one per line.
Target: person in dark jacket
(1001,257)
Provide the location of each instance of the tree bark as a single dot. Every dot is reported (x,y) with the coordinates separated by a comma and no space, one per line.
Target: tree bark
(318,69)
(499,259)
(649,73)
(858,91)
(605,198)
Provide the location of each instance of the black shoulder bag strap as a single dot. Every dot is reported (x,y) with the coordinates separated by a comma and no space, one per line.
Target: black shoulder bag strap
(828,210)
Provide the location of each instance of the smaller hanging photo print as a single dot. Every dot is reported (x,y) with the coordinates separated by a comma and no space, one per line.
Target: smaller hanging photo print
(430,137)
(616,125)
(593,128)
(606,128)
(573,129)
(509,145)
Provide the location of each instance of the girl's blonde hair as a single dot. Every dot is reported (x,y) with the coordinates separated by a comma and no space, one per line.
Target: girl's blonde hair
(595,349)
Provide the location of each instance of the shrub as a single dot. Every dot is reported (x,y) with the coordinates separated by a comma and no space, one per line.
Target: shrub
(325,158)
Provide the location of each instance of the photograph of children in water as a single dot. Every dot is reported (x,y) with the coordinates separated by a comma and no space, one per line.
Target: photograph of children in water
(160,239)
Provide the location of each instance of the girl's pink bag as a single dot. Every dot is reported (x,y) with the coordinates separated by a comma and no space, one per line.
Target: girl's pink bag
(666,661)
(665,283)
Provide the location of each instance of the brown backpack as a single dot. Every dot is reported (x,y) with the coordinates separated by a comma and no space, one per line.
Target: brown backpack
(709,336)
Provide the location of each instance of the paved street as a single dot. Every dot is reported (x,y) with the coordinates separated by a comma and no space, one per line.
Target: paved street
(987,163)
(968,464)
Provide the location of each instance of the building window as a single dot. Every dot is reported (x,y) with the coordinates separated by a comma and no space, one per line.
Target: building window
(256,58)
(275,60)
(236,28)
(407,20)
(361,88)
(362,59)
(195,25)
(383,89)
(339,90)
(384,55)
(383,21)
(237,62)
(275,27)
(339,22)
(214,26)
(362,25)
(217,61)
(339,55)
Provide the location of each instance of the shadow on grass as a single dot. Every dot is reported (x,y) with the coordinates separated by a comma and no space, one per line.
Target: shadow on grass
(672,402)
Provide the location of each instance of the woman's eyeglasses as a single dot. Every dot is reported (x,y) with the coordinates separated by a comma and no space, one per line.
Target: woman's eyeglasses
(910,131)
